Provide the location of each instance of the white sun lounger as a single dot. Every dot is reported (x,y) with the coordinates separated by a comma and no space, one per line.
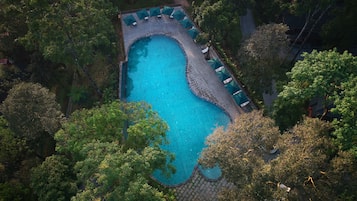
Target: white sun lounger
(237,92)
(226,81)
(219,69)
(205,50)
(244,104)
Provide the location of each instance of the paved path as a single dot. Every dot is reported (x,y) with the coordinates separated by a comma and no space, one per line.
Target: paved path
(247,24)
(200,189)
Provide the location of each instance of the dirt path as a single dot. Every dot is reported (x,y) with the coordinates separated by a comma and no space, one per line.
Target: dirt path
(247,24)
(184,3)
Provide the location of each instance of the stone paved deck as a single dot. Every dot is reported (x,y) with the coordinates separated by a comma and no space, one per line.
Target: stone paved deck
(198,188)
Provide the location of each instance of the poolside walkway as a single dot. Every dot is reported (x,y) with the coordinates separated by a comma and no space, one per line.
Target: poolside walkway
(200,189)
(201,78)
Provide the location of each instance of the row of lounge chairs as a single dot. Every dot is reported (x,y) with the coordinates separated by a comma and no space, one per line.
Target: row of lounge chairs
(142,14)
(229,83)
(173,13)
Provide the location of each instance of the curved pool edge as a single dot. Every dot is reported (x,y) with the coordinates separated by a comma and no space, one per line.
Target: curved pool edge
(201,78)
(193,87)
(196,170)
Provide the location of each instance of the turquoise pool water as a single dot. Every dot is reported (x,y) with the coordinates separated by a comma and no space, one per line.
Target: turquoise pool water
(156,74)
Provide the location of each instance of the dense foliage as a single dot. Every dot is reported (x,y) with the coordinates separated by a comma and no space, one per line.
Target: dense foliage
(262,55)
(220,19)
(31,111)
(301,164)
(331,76)
(108,152)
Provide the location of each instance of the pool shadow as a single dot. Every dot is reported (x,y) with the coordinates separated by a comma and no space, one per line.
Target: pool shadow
(137,50)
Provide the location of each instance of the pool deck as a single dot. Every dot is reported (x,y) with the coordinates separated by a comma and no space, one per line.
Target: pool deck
(201,77)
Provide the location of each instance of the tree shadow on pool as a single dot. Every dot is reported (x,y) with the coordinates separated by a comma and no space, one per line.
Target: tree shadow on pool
(138,50)
(129,86)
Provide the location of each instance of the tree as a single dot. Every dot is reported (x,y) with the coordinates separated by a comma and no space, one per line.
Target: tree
(16,159)
(319,74)
(342,19)
(240,150)
(346,107)
(12,26)
(220,19)
(301,164)
(267,11)
(12,151)
(113,174)
(71,32)
(305,152)
(10,75)
(314,11)
(31,111)
(53,179)
(115,148)
(261,56)
(133,125)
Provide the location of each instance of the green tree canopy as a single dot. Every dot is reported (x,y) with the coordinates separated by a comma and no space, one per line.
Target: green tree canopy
(16,160)
(301,164)
(346,107)
(53,180)
(240,150)
(12,26)
(319,74)
(12,151)
(114,149)
(71,32)
(110,173)
(305,152)
(132,125)
(31,111)
(261,56)
(220,19)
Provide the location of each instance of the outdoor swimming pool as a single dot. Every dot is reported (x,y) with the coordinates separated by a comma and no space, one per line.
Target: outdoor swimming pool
(157,75)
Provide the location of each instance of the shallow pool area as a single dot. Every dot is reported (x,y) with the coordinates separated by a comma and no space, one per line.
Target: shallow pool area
(157,75)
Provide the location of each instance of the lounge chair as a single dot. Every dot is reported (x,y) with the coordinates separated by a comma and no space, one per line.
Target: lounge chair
(219,69)
(204,51)
(130,20)
(244,104)
(237,92)
(226,81)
